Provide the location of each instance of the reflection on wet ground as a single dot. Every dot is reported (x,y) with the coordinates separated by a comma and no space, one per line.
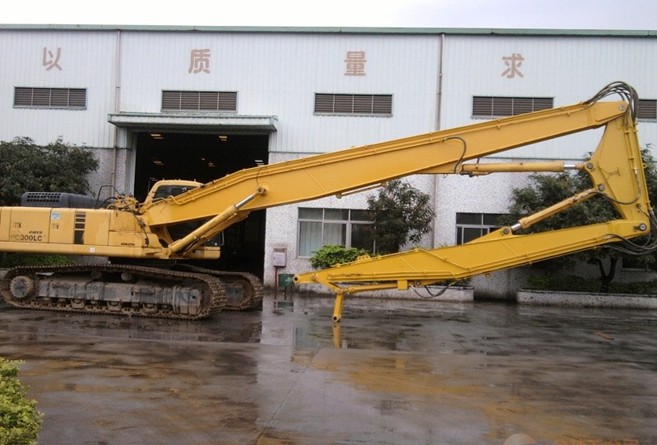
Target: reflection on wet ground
(430,373)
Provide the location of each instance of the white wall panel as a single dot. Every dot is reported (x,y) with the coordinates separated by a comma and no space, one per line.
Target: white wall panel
(569,69)
(278,74)
(86,61)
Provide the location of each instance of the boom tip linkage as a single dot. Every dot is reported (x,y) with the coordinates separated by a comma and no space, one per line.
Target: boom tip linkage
(623,89)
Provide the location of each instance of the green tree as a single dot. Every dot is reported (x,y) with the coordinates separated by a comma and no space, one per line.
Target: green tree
(400,214)
(28,167)
(56,167)
(545,190)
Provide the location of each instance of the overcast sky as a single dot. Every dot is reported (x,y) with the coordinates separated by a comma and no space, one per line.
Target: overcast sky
(549,14)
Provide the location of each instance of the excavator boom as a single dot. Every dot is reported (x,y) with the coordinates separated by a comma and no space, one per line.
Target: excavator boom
(340,172)
(616,171)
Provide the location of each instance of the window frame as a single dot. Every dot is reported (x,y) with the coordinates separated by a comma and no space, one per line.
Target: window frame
(348,222)
(483,224)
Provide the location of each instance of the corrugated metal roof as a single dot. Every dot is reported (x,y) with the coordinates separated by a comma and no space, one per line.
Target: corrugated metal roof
(196,121)
(338,30)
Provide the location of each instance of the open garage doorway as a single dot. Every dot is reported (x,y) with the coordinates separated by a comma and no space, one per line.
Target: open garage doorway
(204,157)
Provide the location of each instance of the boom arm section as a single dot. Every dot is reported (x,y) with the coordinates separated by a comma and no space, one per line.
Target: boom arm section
(230,199)
(616,171)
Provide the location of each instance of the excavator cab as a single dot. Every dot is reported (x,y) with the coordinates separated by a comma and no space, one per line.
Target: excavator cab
(168,188)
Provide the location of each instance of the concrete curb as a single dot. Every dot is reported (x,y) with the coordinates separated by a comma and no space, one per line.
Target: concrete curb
(455,294)
(583,299)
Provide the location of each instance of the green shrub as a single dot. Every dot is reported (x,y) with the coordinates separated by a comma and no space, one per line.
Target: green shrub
(639,287)
(8,260)
(331,255)
(563,283)
(20,422)
(571,283)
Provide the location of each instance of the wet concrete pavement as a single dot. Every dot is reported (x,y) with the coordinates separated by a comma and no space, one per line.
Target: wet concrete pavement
(482,373)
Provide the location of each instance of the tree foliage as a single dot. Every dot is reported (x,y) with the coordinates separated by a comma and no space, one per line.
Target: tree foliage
(56,167)
(28,167)
(546,190)
(400,214)
(20,422)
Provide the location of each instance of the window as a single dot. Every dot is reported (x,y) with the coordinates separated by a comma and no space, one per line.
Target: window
(488,106)
(647,109)
(345,227)
(372,104)
(199,100)
(473,225)
(72,98)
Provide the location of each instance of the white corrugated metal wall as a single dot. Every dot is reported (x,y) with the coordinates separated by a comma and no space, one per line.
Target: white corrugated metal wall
(278,74)
(567,68)
(83,60)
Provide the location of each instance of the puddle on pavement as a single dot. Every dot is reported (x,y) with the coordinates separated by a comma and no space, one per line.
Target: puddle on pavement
(288,374)
(535,395)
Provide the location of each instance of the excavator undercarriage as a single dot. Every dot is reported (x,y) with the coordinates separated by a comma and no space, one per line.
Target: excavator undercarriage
(189,293)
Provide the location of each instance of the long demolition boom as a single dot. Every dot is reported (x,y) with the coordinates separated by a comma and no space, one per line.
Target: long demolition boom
(230,199)
(615,168)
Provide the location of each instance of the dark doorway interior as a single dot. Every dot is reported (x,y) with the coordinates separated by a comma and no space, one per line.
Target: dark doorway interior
(204,157)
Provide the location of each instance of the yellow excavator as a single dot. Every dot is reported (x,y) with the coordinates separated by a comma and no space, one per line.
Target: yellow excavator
(179,220)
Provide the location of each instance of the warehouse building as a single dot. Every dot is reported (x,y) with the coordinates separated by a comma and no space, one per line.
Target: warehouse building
(197,103)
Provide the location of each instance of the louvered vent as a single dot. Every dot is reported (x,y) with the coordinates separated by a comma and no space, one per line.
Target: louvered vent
(199,100)
(372,104)
(489,106)
(647,109)
(74,98)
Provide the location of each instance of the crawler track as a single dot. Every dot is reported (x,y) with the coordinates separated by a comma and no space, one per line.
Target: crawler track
(244,291)
(115,289)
